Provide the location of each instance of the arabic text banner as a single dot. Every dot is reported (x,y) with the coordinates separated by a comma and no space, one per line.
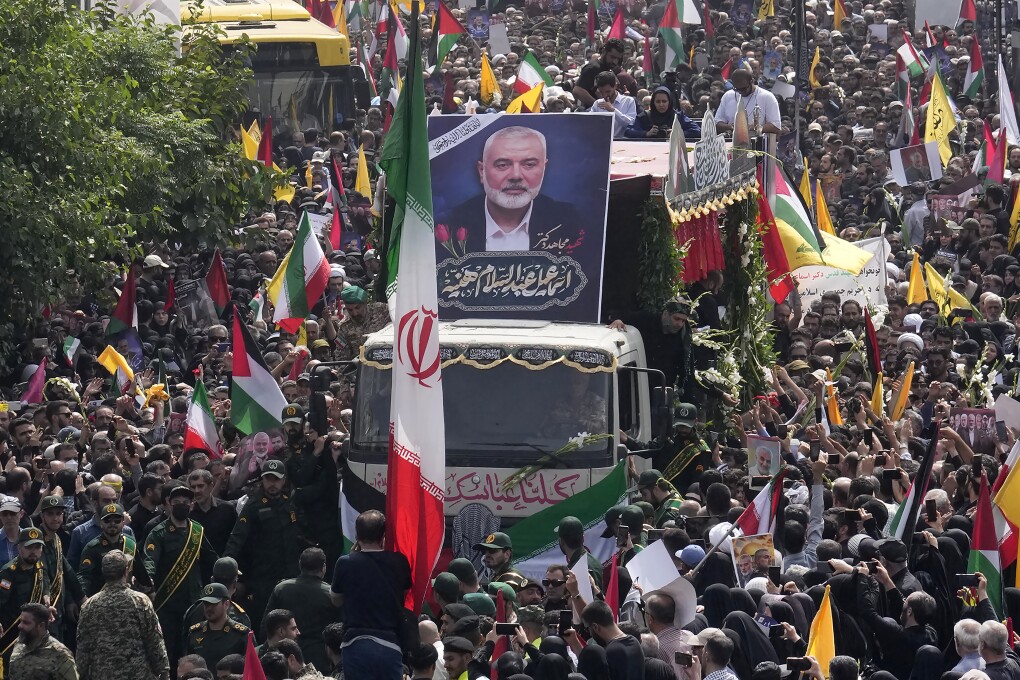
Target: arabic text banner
(868,288)
(520,208)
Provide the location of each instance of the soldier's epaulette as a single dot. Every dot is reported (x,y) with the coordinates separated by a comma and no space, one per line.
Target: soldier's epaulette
(237,607)
(197,625)
(240,627)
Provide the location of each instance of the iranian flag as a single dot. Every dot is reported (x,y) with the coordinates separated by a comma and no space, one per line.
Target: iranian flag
(914,63)
(256,402)
(201,430)
(975,71)
(300,280)
(984,547)
(536,546)
(1003,502)
(671,33)
(416,469)
(530,74)
(760,516)
(449,29)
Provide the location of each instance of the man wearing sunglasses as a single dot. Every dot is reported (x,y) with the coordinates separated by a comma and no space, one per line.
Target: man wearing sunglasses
(555,591)
(112,537)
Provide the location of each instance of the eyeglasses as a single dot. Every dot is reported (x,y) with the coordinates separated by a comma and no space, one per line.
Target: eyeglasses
(63,413)
(112,520)
(553,582)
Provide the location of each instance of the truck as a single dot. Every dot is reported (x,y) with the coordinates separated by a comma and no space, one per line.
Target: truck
(514,392)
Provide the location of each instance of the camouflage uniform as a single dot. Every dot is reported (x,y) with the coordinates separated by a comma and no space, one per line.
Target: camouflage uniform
(119,637)
(309,672)
(351,334)
(47,659)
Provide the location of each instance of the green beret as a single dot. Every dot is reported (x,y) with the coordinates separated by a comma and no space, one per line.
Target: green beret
(354,295)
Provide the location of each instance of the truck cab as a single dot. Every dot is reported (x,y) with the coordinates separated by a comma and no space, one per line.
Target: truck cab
(514,392)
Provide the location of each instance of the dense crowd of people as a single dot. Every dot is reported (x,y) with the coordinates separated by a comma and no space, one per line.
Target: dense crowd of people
(128,555)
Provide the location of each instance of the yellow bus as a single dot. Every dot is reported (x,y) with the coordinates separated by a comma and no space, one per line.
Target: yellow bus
(303,73)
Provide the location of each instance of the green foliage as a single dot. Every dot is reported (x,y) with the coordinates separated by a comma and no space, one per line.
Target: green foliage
(660,257)
(111,141)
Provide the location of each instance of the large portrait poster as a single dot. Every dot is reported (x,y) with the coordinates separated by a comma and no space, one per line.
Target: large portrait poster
(520,207)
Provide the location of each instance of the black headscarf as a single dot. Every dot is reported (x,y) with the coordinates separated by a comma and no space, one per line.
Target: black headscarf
(743,601)
(738,661)
(657,669)
(592,663)
(929,663)
(718,568)
(717,603)
(552,667)
(757,647)
(663,120)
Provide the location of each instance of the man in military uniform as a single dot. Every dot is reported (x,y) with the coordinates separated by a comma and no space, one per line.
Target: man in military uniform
(312,473)
(571,539)
(265,541)
(118,634)
(177,557)
(632,519)
(363,317)
(683,456)
(22,581)
(218,635)
(654,489)
(111,521)
(66,593)
(37,654)
(497,555)
(224,571)
(307,596)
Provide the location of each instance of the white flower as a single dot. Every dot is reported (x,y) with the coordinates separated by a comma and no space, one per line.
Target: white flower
(578,441)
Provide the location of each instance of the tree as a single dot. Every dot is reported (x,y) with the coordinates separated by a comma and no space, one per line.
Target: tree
(111,140)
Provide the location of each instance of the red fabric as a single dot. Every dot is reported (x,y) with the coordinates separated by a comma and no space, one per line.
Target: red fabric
(171,294)
(612,593)
(593,21)
(265,155)
(871,341)
(252,665)
(336,226)
(996,166)
(968,12)
(502,644)
(618,29)
(449,106)
(216,281)
(777,266)
(704,250)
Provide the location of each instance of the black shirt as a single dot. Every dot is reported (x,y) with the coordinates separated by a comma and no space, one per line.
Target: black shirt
(373,585)
(218,522)
(140,517)
(625,658)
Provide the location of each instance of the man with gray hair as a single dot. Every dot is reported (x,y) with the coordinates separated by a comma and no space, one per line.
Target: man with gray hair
(994,641)
(511,213)
(967,637)
(118,632)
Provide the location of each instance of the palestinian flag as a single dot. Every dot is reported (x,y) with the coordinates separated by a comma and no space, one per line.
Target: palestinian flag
(300,280)
(530,74)
(256,402)
(913,63)
(791,211)
(968,12)
(72,346)
(449,30)
(389,83)
(593,18)
(903,522)
(1007,113)
(760,516)
(216,281)
(618,28)
(709,31)
(123,325)
(984,547)
(356,497)
(353,12)
(975,70)
(258,303)
(902,79)
(687,12)
(201,430)
(671,33)
(534,538)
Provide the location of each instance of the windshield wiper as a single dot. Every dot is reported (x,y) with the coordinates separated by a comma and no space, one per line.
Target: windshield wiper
(546,461)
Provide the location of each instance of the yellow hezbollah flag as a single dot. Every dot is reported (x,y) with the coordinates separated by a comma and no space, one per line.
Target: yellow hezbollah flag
(917,293)
(822,212)
(814,82)
(361,183)
(767,9)
(250,146)
(878,397)
(941,120)
(529,102)
(831,405)
(488,86)
(302,338)
(274,285)
(1014,232)
(112,361)
(837,253)
(822,645)
(936,286)
(805,186)
(903,396)
(340,17)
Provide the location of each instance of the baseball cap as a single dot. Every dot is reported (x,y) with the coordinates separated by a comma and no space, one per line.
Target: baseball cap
(10,504)
(214,593)
(691,555)
(612,514)
(274,467)
(154,261)
(646,480)
(570,528)
(319,157)
(293,413)
(814,127)
(320,343)
(685,415)
(892,549)
(225,569)
(112,510)
(30,536)
(497,540)
(632,517)
(798,365)
(181,491)
(51,502)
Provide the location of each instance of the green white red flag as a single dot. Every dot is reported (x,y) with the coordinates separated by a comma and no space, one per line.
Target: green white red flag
(671,33)
(984,547)
(300,280)
(975,71)
(530,74)
(201,432)
(449,30)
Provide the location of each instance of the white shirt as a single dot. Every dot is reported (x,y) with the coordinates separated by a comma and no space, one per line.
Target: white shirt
(499,240)
(624,114)
(727,111)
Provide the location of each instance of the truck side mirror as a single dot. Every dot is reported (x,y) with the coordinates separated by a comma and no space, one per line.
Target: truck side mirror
(661,399)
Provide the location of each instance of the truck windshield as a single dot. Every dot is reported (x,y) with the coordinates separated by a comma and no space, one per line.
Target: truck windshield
(504,416)
(297,98)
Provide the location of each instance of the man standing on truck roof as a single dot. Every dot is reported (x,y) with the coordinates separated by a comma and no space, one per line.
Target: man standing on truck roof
(497,555)
(668,343)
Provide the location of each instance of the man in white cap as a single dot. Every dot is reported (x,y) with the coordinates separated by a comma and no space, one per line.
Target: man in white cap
(153,271)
